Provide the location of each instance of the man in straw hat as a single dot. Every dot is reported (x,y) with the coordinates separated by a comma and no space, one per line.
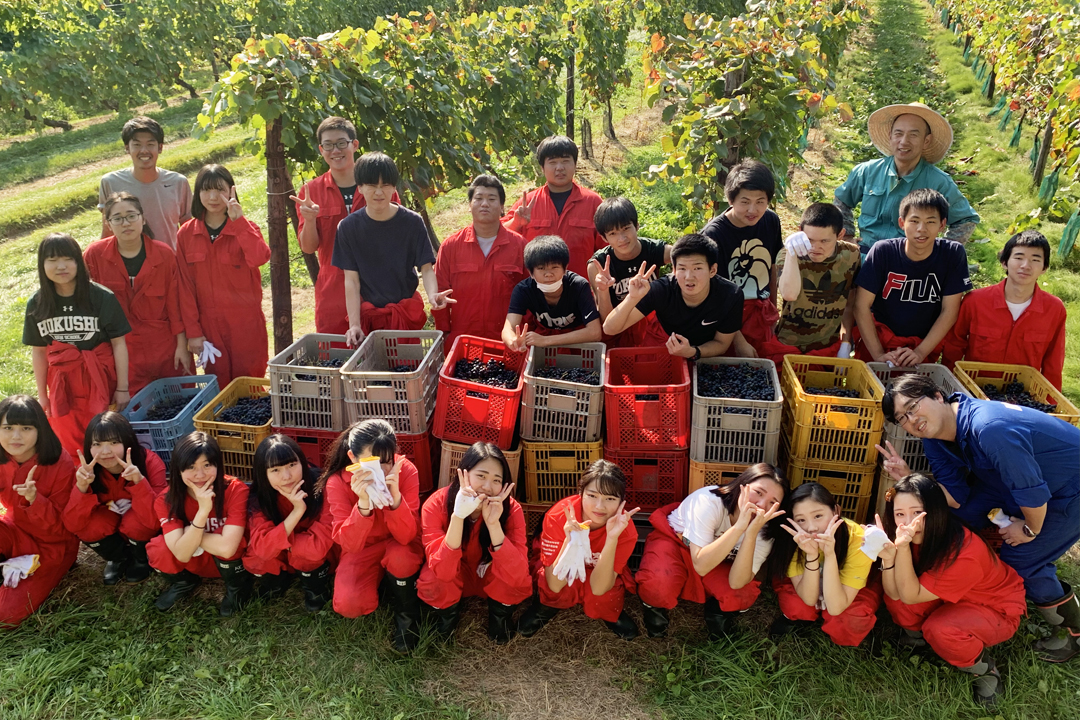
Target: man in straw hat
(913,138)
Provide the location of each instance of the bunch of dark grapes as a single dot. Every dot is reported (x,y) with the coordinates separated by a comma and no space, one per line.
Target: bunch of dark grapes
(166,409)
(837,392)
(249,411)
(330,363)
(402,368)
(493,373)
(741,382)
(580,376)
(1017,394)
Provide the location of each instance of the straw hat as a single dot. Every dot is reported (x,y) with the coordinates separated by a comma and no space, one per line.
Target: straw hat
(881,122)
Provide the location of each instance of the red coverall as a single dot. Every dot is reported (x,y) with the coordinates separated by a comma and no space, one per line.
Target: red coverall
(985,332)
(574,225)
(271,551)
(384,541)
(88,516)
(235,513)
(152,307)
(759,318)
(223,302)
(667,572)
(407,314)
(482,285)
(775,350)
(448,575)
(81,385)
(850,627)
(34,529)
(980,603)
(890,342)
(604,607)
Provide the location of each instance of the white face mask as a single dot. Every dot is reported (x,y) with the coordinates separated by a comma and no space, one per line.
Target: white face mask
(549,287)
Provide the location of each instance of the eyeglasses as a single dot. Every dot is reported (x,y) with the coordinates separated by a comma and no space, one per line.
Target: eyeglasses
(124,219)
(909,414)
(339,145)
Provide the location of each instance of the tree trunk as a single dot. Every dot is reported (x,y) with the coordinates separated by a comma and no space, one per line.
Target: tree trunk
(187,86)
(277,185)
(609,125)
(214,67)
(47,122)
(732,82)
(421,207)
(1044,150)
(993,79)
(570,97)
(586,138)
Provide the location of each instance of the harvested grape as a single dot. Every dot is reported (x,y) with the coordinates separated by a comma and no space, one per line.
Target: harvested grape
(574,375)
(741,382)
(249,411)
(166,409)
(493,373)
(1016,394)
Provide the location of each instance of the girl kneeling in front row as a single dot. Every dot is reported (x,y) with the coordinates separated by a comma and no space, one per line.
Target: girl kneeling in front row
(709,549)
(474,533)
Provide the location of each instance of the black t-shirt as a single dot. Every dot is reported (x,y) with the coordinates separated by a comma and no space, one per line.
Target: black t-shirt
(347,194)
(747,254)
(575,309)
(721,312)
(386,253)
(214,232)
(134,265)
(652,253)
(559,199)
(85,327)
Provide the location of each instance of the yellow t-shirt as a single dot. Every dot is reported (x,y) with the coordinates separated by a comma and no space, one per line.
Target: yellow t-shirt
(856,568)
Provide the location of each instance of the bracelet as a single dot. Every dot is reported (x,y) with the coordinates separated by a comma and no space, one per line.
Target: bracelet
(883,569)
(495,548)
(203,528)
(811,569)
(123,391)
(815,559)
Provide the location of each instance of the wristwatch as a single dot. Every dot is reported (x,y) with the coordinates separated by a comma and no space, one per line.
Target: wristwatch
(697,354)
(1029,532)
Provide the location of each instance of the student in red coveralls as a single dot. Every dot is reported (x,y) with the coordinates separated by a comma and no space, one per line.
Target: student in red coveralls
(219,252)
(819,570)
(560,207)
(380,247)
(35,477)
(709,548)
(111,506)
(76,329)
(203,519)
(1015,321)
(945,586)
(481,264)
(378,530)
(474,533)
(600,506)
(289,525)
(143,276)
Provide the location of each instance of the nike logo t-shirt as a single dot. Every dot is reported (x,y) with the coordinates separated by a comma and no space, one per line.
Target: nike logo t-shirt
(721,312)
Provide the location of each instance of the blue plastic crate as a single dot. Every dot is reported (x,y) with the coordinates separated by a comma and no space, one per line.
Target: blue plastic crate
(161,435)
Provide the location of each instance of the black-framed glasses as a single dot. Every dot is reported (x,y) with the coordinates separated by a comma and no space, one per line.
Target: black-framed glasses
(339,145)
(909,414)
(124,219)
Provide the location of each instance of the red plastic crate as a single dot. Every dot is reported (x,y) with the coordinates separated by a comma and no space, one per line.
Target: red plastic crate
(468,412)
(316,444)
(422,450)
(646,399)
(653,479)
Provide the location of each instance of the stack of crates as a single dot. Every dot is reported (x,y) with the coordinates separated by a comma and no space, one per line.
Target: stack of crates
(974,375)
(729,434)
(160,435)
(237,442)
(647,407)
(828,439)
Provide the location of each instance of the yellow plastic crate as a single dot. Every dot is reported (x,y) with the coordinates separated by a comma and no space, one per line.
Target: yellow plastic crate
(974,375)
(237,442)
(552,470)
(702,474)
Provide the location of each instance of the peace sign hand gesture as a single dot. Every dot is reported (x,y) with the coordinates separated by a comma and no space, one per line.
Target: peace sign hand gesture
(803,539)
(467,501)
(131,472)
(523,214)
(620,520)
(441,300)
(28,490)
(888,550)
(307,209)
(84,474)
(491,509)
(640,283)
(827,540)
(393,484)
(893,462)
(906,533)
(520,332)
(571,525)
(764,516)
(604,279)
(234,209)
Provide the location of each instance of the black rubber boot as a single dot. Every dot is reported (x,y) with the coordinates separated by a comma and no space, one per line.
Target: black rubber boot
(181,585)
(624,627)
(1063,615)
(500,622)
(720,624)
(271,587)
(783,625)
(987,686)
(406,606)
(237,586)
(535,618)
(138,567)
(114,551)
(446,620)
(655,619)
(317,588)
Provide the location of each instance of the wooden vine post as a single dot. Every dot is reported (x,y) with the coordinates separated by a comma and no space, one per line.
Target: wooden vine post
(1044,150)
(278,186)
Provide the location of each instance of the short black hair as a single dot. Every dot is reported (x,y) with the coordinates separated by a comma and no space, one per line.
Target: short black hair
(488,181)
(556,146)
(912,386)
(749,175)
(823,215)
(335,123)
(614,213)
(142,123)
(1028,238)
(544,250)
(609,479)
(375,167)
(925,199)
(209,177)
(695,244)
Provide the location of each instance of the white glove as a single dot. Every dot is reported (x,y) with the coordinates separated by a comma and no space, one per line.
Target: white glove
(380,498)
(874,539)
(208,355)
(465,505)
(198,551)
(482,568)
(120,506)
(798,244)
(19,568)
(845,350)
(999,518)
(571,564)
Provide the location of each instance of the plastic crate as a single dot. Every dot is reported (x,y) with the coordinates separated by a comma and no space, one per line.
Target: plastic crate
(851,485)
(733,431)
(304,395)
(973,375)
(909,446)
(653,479)
(560,411)
(237,442)
(534,518)
(315,444)
(552,470)
(644,527)
(824,428)
(404,399)
(467,412)
(646,399)
(160,435)
(423,450)
(702,474)
(452,453)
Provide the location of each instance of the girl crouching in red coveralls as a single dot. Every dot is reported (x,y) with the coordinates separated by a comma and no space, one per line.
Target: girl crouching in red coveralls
(474,533)
(111,506)
(709,548)
(945,586)
(35,478)
(609,535)
(211,543)
(378,531)
(289,525)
